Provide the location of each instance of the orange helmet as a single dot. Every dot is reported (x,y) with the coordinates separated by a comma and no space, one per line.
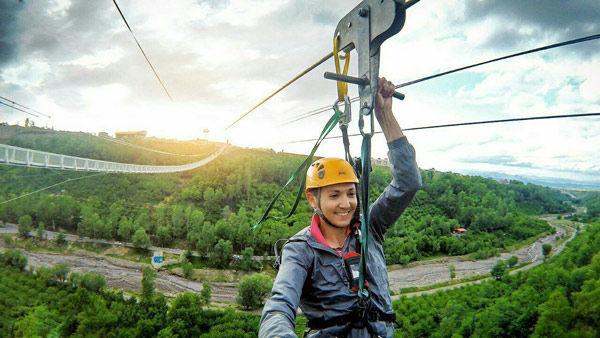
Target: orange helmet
(328,171)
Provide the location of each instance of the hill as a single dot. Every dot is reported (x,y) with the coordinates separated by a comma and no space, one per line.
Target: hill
(223,199)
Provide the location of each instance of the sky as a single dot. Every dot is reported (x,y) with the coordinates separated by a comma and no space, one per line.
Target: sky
(77,62)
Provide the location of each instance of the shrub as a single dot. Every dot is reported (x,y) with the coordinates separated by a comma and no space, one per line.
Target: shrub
(15,258)
(499,270)
(253,290)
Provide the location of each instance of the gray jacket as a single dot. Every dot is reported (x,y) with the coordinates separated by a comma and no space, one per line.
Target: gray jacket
(312,275)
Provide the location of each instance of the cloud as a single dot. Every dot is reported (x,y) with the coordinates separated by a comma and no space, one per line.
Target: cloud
(79,63)
(501,159)
(515,22)
(9,30)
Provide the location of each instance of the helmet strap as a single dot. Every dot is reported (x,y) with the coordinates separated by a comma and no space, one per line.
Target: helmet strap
(356,216)
(318,210)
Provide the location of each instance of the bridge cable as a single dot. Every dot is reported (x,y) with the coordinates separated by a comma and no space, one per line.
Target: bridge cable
(142,50)
(48,187)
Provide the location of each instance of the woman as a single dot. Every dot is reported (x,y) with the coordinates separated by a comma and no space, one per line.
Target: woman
(314,271)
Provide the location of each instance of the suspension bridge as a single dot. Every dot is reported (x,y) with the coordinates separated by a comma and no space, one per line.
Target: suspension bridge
(34,158)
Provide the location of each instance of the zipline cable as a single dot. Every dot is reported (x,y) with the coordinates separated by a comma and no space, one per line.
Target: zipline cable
(48,187)
(22,106)
(407,5)
(24,111)
(547,117)
(535,50)
(307,70)
(530,51)
(142,50)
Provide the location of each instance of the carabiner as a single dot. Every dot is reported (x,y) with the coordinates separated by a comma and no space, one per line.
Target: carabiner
(346,116)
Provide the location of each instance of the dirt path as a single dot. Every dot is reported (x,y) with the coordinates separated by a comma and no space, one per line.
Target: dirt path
(532,252)
(127,276)
(420,274)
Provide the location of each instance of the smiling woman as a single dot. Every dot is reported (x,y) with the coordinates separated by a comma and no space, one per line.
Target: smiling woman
(320,267)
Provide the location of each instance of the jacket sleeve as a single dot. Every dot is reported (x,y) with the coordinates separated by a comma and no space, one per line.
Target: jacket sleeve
(396,196)
(279,314)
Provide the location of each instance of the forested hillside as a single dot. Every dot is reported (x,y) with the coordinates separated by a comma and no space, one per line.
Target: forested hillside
(53,303)
(223,199)
(558,299)
(591,201)
(90,146)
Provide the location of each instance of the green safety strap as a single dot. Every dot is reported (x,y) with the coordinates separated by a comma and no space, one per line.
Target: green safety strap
(364,226)
(299,171)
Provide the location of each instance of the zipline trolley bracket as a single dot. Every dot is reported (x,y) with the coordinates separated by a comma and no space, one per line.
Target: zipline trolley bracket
(365,28)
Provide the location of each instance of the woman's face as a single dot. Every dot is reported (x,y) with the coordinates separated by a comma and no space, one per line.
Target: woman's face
(338,203)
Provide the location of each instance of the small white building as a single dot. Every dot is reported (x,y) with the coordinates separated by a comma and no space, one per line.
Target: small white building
(157,259)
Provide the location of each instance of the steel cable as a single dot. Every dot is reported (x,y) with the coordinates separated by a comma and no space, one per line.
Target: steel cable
(547,117)
(142,50)
(405,84)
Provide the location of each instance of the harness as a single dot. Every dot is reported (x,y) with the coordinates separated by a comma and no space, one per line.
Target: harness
(358,319)
(364,312)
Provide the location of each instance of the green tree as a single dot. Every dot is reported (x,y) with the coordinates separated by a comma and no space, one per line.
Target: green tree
(196,220)
(207,239)
(116,212)
(163,236)
(253,290)
(39,233)
(61,271)
(125,229)
(96,317)
(140,239)
(221,255)
(186,267)
(185,315)
(555,316)
(24,226)
(178,221)
(91,225)
(206,294)
(15,258)
(90,281)
(247,263)
(452,269)
(499,270)
(41,322)
(143,221)
(148,276)
(546,250)
(61,239)
(8,240)
(512,261)
(587,304)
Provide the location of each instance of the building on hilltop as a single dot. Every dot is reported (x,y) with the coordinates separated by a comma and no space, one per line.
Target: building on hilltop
(103,134)
(381,161)
(130,134)
(459,232)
